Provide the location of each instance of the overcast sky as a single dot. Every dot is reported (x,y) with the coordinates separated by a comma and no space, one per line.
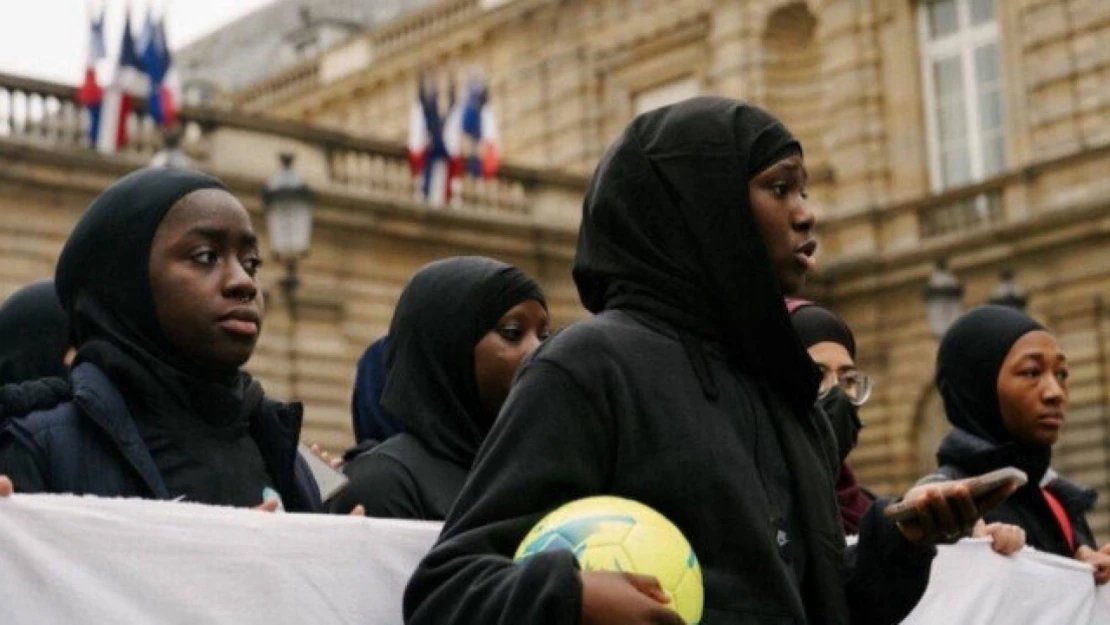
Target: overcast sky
(49,38)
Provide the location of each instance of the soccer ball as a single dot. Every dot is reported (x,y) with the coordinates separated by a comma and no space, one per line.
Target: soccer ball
(615,534)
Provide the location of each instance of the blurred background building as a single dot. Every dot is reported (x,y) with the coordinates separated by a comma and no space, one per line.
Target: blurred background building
(975,132)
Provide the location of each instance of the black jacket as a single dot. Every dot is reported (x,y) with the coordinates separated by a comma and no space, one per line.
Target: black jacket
(613,406)
(964,455)
(91,446)
(400,478)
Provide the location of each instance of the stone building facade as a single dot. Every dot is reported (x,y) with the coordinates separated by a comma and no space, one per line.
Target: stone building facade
(977,131)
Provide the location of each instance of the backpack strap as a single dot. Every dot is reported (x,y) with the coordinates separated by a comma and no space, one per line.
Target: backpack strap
(1061,518)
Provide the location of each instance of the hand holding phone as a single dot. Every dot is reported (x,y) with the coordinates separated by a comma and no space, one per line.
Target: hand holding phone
(947,511)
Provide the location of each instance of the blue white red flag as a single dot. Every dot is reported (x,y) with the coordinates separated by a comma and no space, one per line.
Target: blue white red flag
(434,145)
(157,63)
(128,83)
(479,126)
(89,94)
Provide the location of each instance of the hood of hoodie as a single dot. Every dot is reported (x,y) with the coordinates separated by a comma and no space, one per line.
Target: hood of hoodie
(668,230)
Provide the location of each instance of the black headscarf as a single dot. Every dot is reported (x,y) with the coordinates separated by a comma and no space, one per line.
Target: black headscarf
(194,420)
(968,362)
(444,311)
(34,335)
(667,229)
(370,420)
(817,324)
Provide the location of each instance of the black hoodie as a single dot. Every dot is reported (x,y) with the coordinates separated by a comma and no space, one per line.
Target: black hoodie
(431,388)
(688,392)
(968,363)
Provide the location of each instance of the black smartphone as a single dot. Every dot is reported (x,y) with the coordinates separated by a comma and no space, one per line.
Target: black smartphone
(982,488)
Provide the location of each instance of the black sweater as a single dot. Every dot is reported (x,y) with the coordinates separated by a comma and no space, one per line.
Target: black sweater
(400,478)
(613,406)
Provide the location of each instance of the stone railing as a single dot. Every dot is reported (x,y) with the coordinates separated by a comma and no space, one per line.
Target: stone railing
(1023,201)
(232,143)
(285,84)
(421,25)
(362,168)
(45,113)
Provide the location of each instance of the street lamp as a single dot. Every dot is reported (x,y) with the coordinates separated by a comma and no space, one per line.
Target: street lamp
(943,293)
(1008,293)
(288,205)
(171,154)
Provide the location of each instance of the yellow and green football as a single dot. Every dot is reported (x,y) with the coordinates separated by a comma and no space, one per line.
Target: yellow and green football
(615,534)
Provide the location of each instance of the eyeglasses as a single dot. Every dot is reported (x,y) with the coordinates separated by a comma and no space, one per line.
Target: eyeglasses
(855,384)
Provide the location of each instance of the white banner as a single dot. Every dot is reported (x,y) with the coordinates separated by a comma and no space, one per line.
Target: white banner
(972,585)
(66,559)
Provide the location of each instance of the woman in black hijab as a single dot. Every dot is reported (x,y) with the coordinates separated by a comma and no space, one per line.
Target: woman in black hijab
(689,392)
(34,335)
(459,332)
(843,390)
(159,282)
(1004,381)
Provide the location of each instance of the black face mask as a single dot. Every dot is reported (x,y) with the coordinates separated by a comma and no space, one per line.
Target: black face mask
(844,418)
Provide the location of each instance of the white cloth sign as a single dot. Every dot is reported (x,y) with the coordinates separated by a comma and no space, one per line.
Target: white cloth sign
(971,585)
(67,559)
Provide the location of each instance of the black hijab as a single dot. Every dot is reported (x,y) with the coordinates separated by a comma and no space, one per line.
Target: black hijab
(817,324)
(667,230)
(444,311)
(194,420)
(369,419)
(34,335)
(968,362)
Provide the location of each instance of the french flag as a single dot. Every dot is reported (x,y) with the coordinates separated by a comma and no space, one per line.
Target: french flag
(480,128)
(434,146)
(89,94)
(129,82)
(157,63)
(420,140)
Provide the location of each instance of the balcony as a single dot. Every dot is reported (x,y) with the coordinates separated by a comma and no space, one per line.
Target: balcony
(43,116)
(1017,209)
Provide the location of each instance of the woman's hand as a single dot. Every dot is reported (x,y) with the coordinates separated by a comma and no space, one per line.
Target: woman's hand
(946,511)
(6,487)
(1099,559)
(625,599)
(334,463)
(1006,539)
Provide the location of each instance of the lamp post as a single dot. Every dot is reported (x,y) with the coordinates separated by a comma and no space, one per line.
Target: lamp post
(171,154)
(943,293)
(1008,293)
(288,205)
